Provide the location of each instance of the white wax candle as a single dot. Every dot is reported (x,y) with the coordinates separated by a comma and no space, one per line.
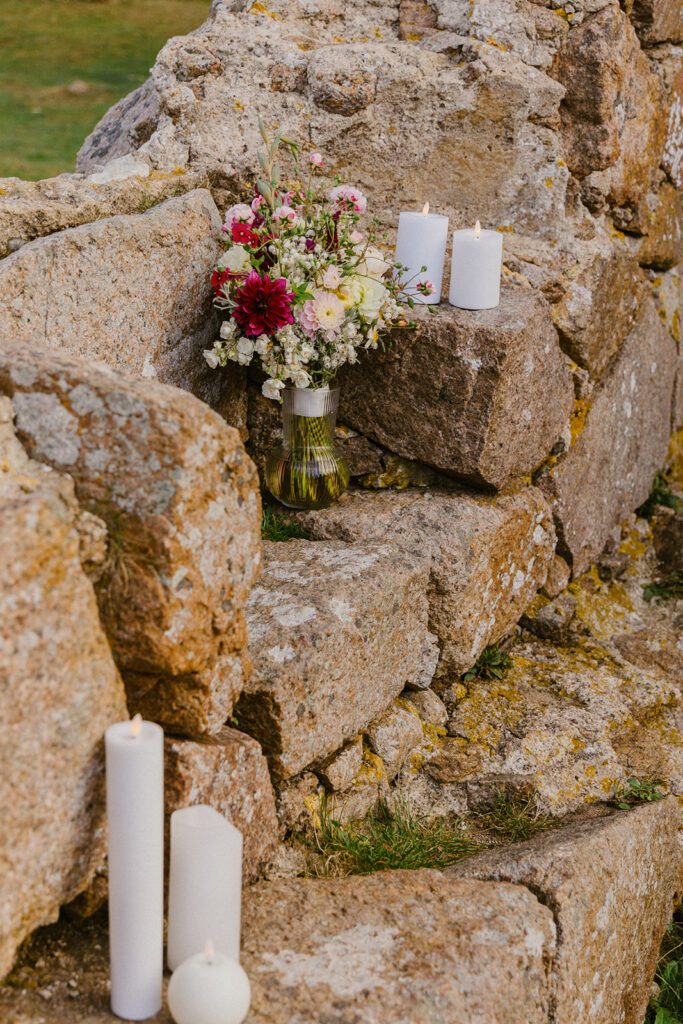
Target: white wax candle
(135,813)
(421,241)
(205,886)
(209,988)
(476,268)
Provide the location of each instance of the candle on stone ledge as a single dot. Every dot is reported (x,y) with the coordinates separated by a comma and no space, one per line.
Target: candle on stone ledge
(476,268)
(209,988)
(421,242)
(205,884)
(135,816)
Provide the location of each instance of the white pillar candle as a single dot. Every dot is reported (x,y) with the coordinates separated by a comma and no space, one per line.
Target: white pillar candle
(421,242)
(476,268)
(205,886)
(209,988)
(135,813)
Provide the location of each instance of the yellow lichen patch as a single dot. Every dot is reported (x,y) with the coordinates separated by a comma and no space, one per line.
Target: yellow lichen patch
(560,162)
(372,769)
(259,8)
(177,172)
(3,191)
(505,228)
(494,42)
(603,607)
(615,233)
(676,325)
(548,182)
(540,601)
(312,805)
(237,105)
(565,15)
(413,37)
(636,543)
(674,458)
(577,420)
(378,33)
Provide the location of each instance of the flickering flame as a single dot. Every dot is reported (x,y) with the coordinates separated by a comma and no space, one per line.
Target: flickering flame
(477,229)
(209,950)
(136,725)
(425,209)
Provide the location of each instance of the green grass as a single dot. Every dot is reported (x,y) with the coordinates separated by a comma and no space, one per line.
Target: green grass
(389,839)
(660,494)
(665,588)
(638,791)
(517,818)
(666,1007)
(492,663)
(275,526)
(47,44)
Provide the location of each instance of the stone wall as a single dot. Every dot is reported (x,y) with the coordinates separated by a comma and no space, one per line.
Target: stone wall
(496,458)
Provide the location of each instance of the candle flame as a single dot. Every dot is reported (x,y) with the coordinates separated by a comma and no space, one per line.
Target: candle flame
(477,229)
(425,209)
(209,950)
(136,725)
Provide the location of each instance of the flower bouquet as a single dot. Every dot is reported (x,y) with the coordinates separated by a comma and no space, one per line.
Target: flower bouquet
(304,289)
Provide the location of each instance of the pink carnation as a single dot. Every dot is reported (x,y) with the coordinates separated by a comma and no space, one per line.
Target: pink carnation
(285,213)
(346,198)
(238,214)
(316,159)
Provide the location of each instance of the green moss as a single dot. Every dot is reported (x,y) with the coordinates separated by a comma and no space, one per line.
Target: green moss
(660,494)
(276,526)
(516,818)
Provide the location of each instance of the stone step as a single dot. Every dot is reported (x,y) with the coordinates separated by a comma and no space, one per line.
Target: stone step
(479,395)
(611,883)
(335,631)
(180,501)
(488,556)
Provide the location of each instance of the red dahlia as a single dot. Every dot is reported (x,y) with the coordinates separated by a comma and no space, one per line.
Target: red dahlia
(263,305)
(242,233)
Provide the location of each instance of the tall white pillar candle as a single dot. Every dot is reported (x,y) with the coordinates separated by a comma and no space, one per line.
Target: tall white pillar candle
(135,813)
(421,242)
(205,885)
(476,268)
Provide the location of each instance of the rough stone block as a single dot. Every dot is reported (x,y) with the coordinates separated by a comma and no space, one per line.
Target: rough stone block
(179,496)
(334,632)
(393,736)
(339,771)
(612,112)
(488,556)
(480,395)
(59,690)
(229,773)
(132,291)
(662,226)
(657,21)
(33,209)
(608,470)
(611,883)
(397,946)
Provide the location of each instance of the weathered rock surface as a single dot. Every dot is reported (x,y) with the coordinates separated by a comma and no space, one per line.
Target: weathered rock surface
(661,224)
(229,773)
(461,392)
(393,736)
(657,21)
(397,946)
(33,209)
(611,884)
(334,633)
(124,128)
(179,496)
(133,291)
(488,556)
(612,108)
(608,470)
(489,120)
(393,948)
(59,690)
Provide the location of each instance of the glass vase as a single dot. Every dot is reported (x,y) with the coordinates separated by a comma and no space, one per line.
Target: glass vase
(306,470)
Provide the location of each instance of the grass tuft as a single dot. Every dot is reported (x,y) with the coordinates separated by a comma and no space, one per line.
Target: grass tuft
(517,818)
(492,663)
(275,526)
(666,1004)
(665,588)
(637,791)
(660,494)
(389,839)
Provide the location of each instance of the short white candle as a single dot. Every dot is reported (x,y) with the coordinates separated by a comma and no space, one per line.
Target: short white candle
(135,814)
(421,242)
(205,885)
(209,988)
(476,268)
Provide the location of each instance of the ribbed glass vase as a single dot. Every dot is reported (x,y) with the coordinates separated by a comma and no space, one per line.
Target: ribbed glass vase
(306,470)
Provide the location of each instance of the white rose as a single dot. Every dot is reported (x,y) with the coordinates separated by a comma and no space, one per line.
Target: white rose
(373,263)
(211,358)
(351,291)
(373,297)
(272,388)
(245,350)
(263,345)
(236,259)
(228,329)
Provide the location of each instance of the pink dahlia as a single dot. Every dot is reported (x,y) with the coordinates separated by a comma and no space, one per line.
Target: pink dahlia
(263,305)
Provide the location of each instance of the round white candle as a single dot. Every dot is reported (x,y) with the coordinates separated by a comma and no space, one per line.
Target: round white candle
(476,268)
(421,241)
(135,813)
(209,988)
(205,886)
